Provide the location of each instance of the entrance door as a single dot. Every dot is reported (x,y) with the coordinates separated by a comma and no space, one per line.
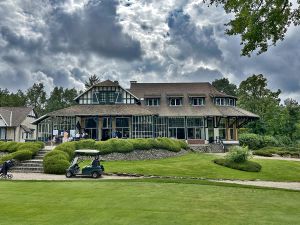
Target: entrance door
(106,128)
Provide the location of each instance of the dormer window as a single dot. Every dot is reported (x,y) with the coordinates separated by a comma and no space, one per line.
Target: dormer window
(175,101)
(152,101)
(197,101)
(225,101)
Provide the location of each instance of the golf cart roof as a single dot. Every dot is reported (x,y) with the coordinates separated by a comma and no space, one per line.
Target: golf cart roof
(86,152)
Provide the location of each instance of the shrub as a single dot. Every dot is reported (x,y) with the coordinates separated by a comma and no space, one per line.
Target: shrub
(85,144)
(10,146)
(283,140)
(248,166)
(67,147)
(238,154)
(22,155)
(104,147)
(253,141)
(262,153)
(61,154)
(121,146)
(269,141)
(56,162)
(6,157)
(140,143)
(34,147)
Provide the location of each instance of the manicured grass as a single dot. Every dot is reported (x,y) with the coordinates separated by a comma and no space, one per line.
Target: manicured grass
(144,202)
(201,165)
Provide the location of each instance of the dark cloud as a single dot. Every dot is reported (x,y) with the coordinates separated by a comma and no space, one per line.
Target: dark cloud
(92,29)
(198,43)
(62,42)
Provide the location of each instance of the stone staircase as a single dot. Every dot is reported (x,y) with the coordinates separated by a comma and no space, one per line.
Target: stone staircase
(33,165)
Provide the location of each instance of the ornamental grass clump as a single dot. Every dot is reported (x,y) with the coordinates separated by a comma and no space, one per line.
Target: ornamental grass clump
(238,154)
(238,158)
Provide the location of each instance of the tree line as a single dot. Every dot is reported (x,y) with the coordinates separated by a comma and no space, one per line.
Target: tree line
(277,118)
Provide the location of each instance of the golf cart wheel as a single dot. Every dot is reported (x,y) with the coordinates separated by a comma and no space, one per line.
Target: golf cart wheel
(69,174)
(95,175)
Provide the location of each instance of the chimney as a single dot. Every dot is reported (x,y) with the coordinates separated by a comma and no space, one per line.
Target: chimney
(116,82)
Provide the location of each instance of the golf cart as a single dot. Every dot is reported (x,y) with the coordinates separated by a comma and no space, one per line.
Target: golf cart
(94,170)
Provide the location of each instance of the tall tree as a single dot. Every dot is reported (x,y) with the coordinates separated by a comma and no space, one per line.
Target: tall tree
(93,79)
(225,86)
(256,97)
(260,23)
(36,97)
(60,98)
(292,126)
(12,99)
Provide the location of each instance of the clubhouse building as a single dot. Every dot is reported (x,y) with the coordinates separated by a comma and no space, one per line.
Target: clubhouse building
(196,112)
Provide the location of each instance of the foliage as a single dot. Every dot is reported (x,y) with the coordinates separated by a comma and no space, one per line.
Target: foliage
(282,151)
(22,155)
(60,98)
(56,164)
(238,154)
(253,141)
(20,151)
(36,97)
(259,23)
(269,141)
(225,86)
(85,144)
(93,79)
(248,166)
(12,99)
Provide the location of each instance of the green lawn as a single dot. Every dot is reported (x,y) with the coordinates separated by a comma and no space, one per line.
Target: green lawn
(144,202)
(201,165)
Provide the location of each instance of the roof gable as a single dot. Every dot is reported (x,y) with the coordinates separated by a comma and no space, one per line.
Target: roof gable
(14,116)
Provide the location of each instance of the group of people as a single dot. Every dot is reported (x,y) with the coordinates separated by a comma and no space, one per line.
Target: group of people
(65,137)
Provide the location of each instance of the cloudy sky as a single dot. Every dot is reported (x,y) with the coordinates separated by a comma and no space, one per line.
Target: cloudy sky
(62,42)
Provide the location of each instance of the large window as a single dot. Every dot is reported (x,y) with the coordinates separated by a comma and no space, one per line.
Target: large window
(122,127)
(142,126)
(91,127)
(195,128)
(175,101)
(45,130)
(176,127)
(161,126)
(2,133)
(197,101)
(106,97)
(152,101)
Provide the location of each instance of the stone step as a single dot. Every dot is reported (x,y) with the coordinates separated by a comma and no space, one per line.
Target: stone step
(27,171)
(33,161)
(27,168)
(30,164)
(40,157)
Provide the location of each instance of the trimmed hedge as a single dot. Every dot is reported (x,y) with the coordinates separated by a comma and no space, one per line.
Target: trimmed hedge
(20,151)
(282,151)
(55,161)
(248,166)
(255,141)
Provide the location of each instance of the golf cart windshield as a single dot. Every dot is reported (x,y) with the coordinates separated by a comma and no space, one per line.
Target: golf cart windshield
(75,160)
(87,152)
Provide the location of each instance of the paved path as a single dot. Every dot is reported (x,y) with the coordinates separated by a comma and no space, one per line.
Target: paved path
(272,184)
(43,176)
(262,157)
